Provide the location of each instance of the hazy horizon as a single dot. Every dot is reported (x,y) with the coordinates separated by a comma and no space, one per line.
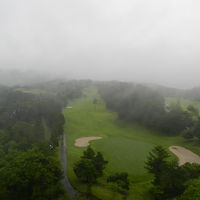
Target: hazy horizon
(140,41)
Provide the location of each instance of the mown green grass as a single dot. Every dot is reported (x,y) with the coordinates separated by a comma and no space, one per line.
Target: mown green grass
(183,102)
(124,145)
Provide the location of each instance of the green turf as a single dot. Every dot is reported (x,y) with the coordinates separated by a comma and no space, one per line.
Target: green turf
(124,145)
(183,102)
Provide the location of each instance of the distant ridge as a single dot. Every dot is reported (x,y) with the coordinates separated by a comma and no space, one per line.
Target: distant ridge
(14,77)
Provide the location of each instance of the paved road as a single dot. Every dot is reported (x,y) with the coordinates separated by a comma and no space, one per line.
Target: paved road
(67,186)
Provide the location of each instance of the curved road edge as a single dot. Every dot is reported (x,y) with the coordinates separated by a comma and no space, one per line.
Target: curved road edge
(66,184)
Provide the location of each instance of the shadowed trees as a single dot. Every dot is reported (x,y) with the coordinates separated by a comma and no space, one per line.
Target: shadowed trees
(192,192)
(170,179)
(28,169)
(139,104)
(90,167)
(120,182)
(30,175)
(156,162)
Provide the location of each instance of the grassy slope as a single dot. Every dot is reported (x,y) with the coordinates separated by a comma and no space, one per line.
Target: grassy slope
(125,146)
(184,102)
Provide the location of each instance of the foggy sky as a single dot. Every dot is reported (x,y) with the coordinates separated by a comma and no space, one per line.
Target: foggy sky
(131,40)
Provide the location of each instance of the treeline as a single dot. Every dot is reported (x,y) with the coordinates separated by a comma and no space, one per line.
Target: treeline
(137,103)
(192,94)
(29,168)
(64,91)
(21,116)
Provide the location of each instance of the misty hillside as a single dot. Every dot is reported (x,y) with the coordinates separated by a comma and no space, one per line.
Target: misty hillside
(99,100)
(47,79)
(24,77)
(191,94)
(138,131)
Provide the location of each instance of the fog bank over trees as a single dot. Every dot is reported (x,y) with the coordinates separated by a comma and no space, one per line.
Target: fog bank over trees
(16,77)
(141,41)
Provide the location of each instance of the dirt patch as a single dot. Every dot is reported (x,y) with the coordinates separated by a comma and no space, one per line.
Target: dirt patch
(184,155)
(85,141)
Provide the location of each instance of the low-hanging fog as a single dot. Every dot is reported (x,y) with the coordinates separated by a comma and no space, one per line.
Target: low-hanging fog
(153,41)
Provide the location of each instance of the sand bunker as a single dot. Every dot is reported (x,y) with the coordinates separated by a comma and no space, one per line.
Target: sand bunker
(85,141)
(184,155)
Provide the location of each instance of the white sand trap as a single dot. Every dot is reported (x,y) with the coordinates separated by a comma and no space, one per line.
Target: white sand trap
(85,141)
(184,155)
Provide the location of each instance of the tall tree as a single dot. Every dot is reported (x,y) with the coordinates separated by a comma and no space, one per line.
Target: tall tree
(88,153)
(156,161)
(99,163)
(90,167)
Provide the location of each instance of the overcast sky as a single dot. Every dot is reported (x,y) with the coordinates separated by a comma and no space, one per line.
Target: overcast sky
(133,40)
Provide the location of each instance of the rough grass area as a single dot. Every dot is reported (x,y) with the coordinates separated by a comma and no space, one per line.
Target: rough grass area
(124,145)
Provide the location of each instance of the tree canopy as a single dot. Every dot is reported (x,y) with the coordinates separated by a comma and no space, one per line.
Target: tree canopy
(30,175)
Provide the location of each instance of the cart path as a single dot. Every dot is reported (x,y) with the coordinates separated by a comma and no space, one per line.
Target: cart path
(66,184)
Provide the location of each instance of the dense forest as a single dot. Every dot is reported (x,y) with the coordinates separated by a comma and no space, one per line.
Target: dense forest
(144,105)
(30,129)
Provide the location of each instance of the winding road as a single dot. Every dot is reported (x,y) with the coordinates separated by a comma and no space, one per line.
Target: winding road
(66,184)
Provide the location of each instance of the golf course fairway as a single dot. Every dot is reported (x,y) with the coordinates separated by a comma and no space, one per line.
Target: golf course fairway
(124,145)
